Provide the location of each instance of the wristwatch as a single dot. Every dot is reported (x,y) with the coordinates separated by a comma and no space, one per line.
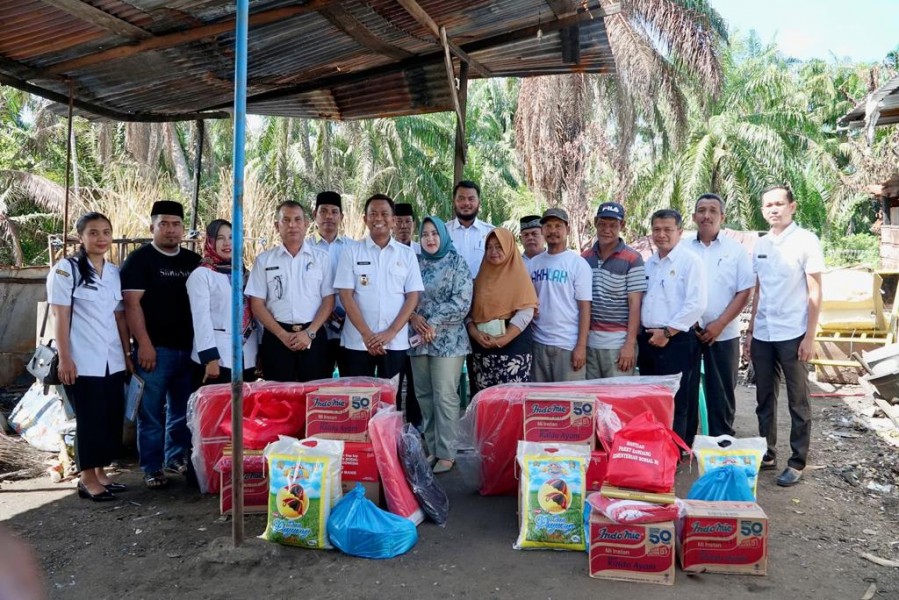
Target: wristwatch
(666,332)
(310,333)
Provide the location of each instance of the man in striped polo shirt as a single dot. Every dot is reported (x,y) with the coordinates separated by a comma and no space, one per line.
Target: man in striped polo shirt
(619,282)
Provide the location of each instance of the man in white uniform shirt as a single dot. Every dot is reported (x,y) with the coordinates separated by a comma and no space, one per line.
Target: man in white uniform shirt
(728,271)
(675,299)
(378,280)
(531,235)
(564,285)
(292,294)
(328,218)
(467,231)
(781,338)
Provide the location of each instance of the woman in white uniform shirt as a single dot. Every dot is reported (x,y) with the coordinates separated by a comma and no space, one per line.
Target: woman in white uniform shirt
(92,337)
(209,290)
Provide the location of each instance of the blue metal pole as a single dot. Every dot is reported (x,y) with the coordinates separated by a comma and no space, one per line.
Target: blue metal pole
(237,296)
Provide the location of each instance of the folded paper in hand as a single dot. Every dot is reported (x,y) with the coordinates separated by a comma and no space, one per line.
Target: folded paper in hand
(495,327)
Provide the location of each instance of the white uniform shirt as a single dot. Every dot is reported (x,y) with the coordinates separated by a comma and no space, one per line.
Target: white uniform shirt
(676,290)
(292,286)
(469,242)
(210,308)
(94,337)
(380,279)
(334,250)
(728,270)
(781,263)
(416,248)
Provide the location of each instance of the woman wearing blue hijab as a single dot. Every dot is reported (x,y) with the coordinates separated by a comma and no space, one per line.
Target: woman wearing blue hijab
(439,320)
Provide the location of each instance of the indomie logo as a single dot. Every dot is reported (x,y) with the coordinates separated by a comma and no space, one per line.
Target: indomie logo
(623,535)
(713,528)
(329,403)
(552,409)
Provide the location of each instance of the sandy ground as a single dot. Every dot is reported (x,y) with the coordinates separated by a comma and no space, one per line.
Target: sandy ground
(174,544)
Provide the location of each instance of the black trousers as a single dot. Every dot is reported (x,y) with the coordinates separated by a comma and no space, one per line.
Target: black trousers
(678,356)
(722,361)
(359,363)
(280,363)
(775,362)
(99,405)
(410,402)
(199,372)
(335,356)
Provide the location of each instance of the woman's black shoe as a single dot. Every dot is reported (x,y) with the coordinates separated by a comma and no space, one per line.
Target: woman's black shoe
(116,487)
(105,496)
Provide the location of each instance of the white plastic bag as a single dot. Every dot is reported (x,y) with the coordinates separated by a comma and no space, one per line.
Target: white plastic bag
(713,452)
(41,418)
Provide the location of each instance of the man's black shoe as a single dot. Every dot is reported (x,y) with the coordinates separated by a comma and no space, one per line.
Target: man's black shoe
(768,463)
(789,477)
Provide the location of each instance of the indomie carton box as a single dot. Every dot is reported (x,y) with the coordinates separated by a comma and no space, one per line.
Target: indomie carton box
(631,552)
(340,413)
(255,482)
(723,537)
(560,418)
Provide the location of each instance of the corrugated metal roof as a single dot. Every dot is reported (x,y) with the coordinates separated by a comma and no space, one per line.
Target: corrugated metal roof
(160,59)
(885,99)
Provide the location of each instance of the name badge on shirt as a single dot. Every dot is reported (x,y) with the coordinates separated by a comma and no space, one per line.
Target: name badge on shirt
(363,263)
(272,268)
(763,256)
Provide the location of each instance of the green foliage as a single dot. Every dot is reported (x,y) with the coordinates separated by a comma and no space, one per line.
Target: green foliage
(857,249)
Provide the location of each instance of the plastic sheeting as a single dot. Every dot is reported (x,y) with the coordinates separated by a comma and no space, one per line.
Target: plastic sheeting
(385,429)
(494,421)
(209,417)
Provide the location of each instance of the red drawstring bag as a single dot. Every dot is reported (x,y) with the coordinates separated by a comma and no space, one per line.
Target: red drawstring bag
(644,455)
(267,418)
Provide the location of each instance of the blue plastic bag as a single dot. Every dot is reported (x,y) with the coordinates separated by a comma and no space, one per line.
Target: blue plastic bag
(728,483)
(359,528)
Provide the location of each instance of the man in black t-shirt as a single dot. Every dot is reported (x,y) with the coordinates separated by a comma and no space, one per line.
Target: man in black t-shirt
(157,308)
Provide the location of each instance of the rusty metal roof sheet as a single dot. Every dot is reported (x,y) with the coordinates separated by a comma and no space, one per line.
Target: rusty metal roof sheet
(883,101)
(151,60)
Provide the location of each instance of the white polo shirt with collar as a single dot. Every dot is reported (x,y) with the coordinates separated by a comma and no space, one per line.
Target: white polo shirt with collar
(292,286)
(781,263)
(380,279)
(676,290)
(94,337)
(728,270)
(469,241)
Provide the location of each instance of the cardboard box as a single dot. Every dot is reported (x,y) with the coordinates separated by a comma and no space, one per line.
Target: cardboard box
(340,413)
(631,552)
(560,418)
(255,483)
(373,490)
(596,470)
(358,462)
(723,537)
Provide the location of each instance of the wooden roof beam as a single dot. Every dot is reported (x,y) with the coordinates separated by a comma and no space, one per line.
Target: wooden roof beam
(95,16)
(350,25)
(178,38)
(419,14)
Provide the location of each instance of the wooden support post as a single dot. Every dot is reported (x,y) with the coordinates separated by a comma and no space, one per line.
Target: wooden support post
(198,166)
(461,145)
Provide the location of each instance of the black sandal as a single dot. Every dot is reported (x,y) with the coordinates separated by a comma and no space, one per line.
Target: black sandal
(155,480)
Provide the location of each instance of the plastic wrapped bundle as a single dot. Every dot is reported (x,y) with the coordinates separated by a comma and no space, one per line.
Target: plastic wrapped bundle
(388,387)
(385,429)
(207,409)
(270,410)
(430,494)
(494,421)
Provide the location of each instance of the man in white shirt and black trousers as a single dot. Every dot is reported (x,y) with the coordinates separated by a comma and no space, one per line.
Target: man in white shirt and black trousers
(292,294)
(781,338)
(675,298)
(728,270)
(378,280)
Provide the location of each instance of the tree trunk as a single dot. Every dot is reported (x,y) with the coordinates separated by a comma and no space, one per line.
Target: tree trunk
(175,156)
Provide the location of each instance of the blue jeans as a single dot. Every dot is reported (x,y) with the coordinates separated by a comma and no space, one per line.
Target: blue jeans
(162,434)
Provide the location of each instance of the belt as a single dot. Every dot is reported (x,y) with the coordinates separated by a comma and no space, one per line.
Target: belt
(295,327)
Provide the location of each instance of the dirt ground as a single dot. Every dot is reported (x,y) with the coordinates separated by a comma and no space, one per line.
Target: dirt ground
(174,544)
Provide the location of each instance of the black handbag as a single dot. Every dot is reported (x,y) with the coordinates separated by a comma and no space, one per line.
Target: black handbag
(44,364)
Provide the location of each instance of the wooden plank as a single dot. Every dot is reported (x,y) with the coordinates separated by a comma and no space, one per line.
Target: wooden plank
(888,409)
(179,38)
(95,16)
(350,25)
(421,15)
